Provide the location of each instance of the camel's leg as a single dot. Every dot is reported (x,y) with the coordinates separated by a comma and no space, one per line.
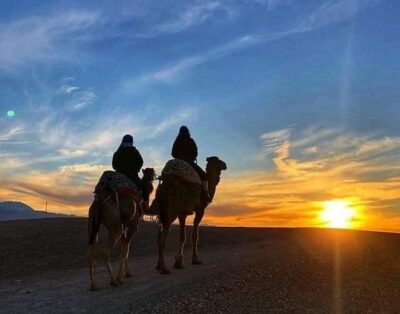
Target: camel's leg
(124,257)
(162,236)
(131,232)
(195,237)
(159,234)
(91,262)
(128,270)
(182,229)
(113,237)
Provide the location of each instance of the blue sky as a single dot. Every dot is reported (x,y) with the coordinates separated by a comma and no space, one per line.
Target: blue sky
(275,87)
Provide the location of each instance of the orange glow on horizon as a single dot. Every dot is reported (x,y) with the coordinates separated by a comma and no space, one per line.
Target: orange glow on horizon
(249,199)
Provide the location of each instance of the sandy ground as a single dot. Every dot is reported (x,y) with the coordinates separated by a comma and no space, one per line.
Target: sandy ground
(245,271)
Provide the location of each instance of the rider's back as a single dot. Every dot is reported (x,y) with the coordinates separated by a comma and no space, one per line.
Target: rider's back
(128,161)
(184,148)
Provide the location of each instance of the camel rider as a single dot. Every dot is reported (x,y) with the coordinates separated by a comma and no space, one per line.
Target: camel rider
(128,161)
(185,148)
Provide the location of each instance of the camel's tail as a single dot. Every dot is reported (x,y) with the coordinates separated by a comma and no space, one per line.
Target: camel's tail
(94,221)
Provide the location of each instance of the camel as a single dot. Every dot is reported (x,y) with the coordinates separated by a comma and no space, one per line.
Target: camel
(121,215)
(175,190)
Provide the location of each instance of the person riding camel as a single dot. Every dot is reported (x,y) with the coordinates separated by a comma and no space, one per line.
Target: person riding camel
(128,161)
(185,148)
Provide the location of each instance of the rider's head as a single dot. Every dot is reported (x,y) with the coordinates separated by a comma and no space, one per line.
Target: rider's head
(127,141)
(184,131)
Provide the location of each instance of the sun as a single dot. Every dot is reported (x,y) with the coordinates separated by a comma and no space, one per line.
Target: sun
(337,213)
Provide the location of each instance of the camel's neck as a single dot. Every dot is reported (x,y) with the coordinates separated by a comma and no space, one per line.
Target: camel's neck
(213,180)
(147,180)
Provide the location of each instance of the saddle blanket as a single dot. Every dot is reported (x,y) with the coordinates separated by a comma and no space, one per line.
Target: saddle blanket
(117,182)
(182,170)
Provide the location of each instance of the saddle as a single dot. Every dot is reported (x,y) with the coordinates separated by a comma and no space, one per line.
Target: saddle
(119,184)
(172,195)
(182,170)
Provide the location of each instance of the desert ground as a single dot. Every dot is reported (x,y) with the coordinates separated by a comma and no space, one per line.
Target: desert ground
(244,270)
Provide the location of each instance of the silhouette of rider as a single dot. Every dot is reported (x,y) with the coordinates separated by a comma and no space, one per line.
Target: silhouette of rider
(185,148)
(128,161)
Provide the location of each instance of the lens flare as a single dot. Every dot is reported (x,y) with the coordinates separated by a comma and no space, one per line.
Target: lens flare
(10,114)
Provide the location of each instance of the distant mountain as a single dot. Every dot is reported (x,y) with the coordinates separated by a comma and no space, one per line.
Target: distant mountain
(19,210)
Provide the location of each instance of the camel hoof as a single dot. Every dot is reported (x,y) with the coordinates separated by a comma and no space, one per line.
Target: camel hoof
(178,262)
(165,272)
(196,262)
(120,281)
(94,287)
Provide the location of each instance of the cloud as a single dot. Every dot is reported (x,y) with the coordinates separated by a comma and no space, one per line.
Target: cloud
(171,72)
(273,140)
(277,143)
(82,99)
(74,97)
(192,16)
(331,150)
(173,120)
(59,134)
(40,38)
(362,169)
(271,4)
(337,11)
(71,153)
(11,133)
(327,14)
(68,188)
(68,89)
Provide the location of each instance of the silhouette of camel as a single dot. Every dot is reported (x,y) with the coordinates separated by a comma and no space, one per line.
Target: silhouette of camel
(176,207)
(121,216)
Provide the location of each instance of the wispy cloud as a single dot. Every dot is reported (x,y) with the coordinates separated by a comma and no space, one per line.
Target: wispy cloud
(59,187)
(39,38)
(81,99)
(68,89)
(191,16)
(69,186)
(271,4)
(171,72)
(173,120)
(327,14)
(75,97)
(11,133)
(360,168)
(337,11)
(329,149)
(54,136)
(273,140)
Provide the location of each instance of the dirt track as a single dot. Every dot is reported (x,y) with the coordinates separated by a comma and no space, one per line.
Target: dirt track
(244,271)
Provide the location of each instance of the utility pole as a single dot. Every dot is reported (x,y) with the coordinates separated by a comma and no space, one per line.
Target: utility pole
(46,206)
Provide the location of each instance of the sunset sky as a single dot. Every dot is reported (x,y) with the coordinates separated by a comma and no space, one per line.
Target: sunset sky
(300,98)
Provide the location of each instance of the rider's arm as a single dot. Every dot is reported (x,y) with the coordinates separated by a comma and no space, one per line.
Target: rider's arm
(175,148)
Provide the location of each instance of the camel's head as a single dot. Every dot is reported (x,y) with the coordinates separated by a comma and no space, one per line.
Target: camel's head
(214,168)
(149,174)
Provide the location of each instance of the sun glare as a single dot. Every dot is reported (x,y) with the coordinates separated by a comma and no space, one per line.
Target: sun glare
(337,214)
